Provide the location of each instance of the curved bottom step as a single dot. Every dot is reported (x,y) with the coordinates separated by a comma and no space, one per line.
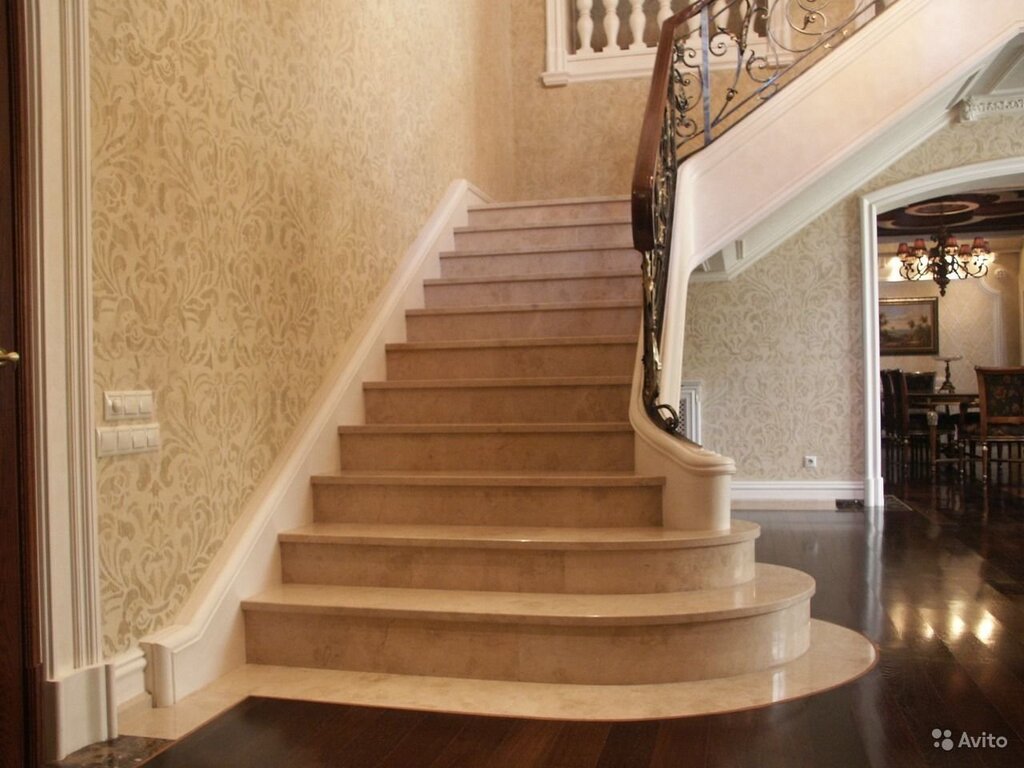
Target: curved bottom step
(836,656)
(555,638)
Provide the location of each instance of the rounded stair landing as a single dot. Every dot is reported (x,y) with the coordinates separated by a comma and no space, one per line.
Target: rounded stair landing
(836,656)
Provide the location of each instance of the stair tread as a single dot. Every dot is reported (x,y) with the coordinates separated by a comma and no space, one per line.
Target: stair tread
(560,381)
(773,588)
(596,426)
(566,306)
(531,249)
(517,537)
(603,222)
(534,278)
(548,341)
(550,203)
(489,478)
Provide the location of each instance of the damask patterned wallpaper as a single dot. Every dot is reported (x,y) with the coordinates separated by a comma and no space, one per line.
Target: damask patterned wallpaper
(575,141)
(780,348)
(259,167)
(978,319)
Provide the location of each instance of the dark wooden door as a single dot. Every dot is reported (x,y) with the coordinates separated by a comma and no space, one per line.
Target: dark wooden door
(17,665)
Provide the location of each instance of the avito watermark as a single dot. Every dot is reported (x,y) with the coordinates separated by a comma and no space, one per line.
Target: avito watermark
(943,739)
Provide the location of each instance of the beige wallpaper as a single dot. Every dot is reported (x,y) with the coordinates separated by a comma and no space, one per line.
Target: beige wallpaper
(978,320)
(578,140)
(779,348)
(258,170)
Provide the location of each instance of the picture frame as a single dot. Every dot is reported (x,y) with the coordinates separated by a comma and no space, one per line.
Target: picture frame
(908,326)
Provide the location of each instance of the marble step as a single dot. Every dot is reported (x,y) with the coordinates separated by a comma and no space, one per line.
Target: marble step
(518,261)
(598,318)
(482,447)
(489,498)
(550,211)
(553,638)
(603,233)
(498,401)
(518,559)
(519,289)
(595,356)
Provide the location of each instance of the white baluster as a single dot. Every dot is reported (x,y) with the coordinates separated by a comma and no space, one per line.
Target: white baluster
(611,24)
(585,25)
(664,11)
(637,21)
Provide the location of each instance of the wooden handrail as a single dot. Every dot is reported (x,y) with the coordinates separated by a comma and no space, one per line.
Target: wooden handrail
(650,131)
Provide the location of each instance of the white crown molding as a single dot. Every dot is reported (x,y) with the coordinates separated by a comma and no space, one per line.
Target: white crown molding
(207,639)
(57,159)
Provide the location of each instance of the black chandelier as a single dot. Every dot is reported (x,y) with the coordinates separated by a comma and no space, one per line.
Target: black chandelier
(946,260)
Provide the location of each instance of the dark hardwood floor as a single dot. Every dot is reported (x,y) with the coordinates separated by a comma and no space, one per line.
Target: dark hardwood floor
(939,586)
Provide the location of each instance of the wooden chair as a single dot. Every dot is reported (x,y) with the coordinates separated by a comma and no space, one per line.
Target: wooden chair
(1001,417)
(911,428)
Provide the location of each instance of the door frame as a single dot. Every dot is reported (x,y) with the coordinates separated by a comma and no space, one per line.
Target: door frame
(1002,173)
(78,699)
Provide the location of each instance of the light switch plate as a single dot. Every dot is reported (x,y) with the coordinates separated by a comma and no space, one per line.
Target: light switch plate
(128,404)
(131,438)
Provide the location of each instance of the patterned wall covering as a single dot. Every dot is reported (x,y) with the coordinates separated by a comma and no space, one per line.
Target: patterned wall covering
(977,319)
(779,348)
(259,168)
(575,141)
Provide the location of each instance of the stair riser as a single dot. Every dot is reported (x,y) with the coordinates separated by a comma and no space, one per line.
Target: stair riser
(565,262)
(498,405)
(551,291)
(597,452)
(512,362)
(621,655)
(489,505)
(548,214)
(590,235)
(525,570)
(614,321)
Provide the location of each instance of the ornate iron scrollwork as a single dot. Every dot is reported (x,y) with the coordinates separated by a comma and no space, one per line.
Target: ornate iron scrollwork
(726,57)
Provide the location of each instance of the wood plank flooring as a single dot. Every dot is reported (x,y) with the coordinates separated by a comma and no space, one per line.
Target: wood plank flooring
(939,587)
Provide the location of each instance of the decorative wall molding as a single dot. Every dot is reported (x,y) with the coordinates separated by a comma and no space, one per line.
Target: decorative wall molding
(57,161)
(208,640)
(977,107)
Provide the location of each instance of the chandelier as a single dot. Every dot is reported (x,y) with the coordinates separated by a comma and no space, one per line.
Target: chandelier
(946,260)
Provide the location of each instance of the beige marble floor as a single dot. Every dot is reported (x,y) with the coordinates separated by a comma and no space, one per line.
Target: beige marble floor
(837,656)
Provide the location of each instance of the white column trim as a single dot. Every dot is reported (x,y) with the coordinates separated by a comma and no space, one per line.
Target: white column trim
(1003,173)
(58,243)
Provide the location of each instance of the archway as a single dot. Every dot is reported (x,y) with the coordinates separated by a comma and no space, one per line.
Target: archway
(995,174)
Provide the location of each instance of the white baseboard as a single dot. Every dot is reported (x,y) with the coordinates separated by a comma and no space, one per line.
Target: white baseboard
(793,494)
(207,640)
(75,711)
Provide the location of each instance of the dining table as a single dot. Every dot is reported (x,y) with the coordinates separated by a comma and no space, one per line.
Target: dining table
(931,402)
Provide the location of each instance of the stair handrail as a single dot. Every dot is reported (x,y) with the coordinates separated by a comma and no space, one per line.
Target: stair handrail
(682,109)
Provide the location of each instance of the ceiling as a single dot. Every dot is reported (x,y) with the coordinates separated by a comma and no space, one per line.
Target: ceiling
(997,215)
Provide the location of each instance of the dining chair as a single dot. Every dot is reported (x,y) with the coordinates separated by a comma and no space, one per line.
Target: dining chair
(1001,418)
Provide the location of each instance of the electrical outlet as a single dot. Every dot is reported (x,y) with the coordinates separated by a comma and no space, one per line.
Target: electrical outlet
(810,462)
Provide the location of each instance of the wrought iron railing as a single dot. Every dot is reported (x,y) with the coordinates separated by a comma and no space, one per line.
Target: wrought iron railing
(694,99)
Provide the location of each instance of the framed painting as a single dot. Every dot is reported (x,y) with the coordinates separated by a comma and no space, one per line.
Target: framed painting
(908,326)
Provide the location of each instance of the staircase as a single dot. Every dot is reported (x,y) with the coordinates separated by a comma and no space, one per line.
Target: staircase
(486,521)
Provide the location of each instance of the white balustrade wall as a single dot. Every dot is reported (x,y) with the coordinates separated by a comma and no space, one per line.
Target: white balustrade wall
(603,39)
(607,26)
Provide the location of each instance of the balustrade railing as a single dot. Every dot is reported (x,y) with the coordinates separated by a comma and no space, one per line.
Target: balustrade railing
(717,60)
